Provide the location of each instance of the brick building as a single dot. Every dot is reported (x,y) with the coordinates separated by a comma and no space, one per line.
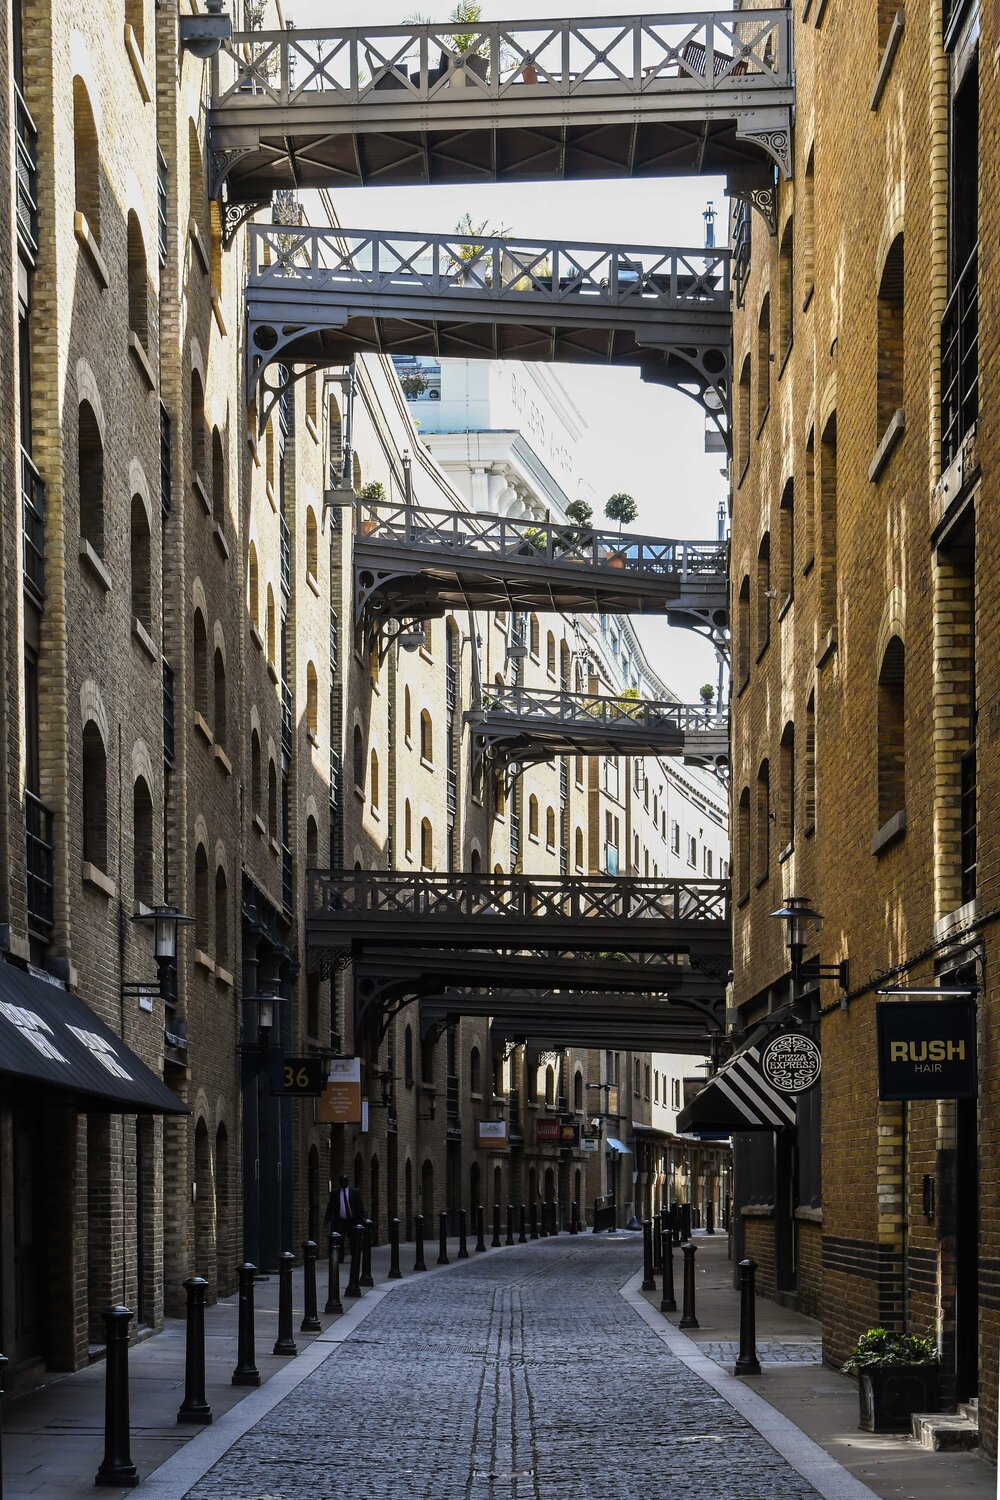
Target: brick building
(861,724)
(191,719)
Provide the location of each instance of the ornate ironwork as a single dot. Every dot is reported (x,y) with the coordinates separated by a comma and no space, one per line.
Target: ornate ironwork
(635,95)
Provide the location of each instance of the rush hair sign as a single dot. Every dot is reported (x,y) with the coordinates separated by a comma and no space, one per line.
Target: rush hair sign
(926,1049)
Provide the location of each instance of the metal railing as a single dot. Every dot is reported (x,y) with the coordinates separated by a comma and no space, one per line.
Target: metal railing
(286,556)
(960,361)
(553,706)
(451,794)
(39,851)
(166,450)
(563,273)
(688,53)
(286,719)
(33,527)
(26,174)
(286,877)
(495,898)
(538,541)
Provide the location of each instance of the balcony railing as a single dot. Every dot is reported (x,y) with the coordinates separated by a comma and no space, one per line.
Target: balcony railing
(286,878)
(741,249)
(960,361)
(553,706)
(286,719)
(38,831)
(33,526)
(26,171)
(481,536)
(451,688)
(452,1102)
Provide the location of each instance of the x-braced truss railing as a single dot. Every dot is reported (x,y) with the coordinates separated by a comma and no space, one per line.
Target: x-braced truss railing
(556,706)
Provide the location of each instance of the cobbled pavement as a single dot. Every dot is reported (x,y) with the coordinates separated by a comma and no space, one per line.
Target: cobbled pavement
(522,1375)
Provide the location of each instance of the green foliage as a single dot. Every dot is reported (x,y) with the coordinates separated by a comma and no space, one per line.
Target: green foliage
(537,538)
(374,491)
(469,12)
(580,511)
(707,694)
(413,385)
(878,1349)
(621,508)
(632,693)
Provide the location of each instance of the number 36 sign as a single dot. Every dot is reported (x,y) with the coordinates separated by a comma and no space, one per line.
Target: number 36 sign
(299,1076)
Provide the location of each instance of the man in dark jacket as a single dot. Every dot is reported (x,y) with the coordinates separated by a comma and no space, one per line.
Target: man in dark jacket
(344,1212)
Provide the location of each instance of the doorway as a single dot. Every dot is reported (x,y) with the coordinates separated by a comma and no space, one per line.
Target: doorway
(966,1251)
(29,1243)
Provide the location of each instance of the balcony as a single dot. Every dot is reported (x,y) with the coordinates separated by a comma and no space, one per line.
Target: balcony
(523,100)
(321,296)
(411,563)
(26,175)
(960,362)
(39,851)
(33,528)
(523,725)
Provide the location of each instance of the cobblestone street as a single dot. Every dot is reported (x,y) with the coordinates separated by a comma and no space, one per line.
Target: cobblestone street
(521,1376)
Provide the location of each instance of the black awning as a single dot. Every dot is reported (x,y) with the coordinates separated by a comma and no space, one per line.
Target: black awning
(52,1038)
(738,1098)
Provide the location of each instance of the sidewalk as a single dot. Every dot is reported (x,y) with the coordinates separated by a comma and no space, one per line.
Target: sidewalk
(820,1401)
(53,1433)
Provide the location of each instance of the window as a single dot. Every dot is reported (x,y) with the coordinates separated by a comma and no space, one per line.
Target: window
(743,419)
(271,626)
(808,237)
(743,842)
(197,433)
(373,781)
(764,592)
(692,851)
(408,1057)
(312,543)
(550,1086)
(86,160)
(312,701)
(550,654)
(475,1072)
(785,291)
(675,837)
(891,732)
(578,770)
(312,843)
(810,499)
(426,845)
(706,861)
(763,371)
(140,565)
(635,1076)
(272,800)
(138,291)
(221,918)
(91,478)
(407,717)
(890,336)
(359,759)
(550,828)
(219,676)
(578,1091)
(199,662)
(533,636)
(427,1048)
(786,788)
(218,480)
(335,443)
(675,1093)
(828,524)
(142,843)
(255,774)
(426,737)
(743,632)
(762,829)
(578,848)
(202,914)
(786,543)
(645,1081)
(408,829)
(809,787)
(533,817)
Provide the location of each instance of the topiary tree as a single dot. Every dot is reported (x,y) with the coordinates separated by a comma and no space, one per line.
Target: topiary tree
(621,508)
(707,694)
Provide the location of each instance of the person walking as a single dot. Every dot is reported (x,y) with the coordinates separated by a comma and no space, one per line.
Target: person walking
(344,1212)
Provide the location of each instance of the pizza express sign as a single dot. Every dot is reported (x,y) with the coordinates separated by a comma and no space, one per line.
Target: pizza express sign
(926,1049)
(791,1062)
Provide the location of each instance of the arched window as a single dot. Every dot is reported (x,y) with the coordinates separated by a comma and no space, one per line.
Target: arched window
(408,829)
(743,420)
(578,848)
(809,789)
(408,1057)
(786,543)
(426,845)
(533,816)
(426,737)
(785,290)
(142,843)
(253,587)
(199,662)
(256,789)
(786,807)
(218,479)
(762,822)
(550,1086)
(828,526)
(197,434)
(356,474)
(809,496)
(533,636)
(743,853)
(550,653)
(272,800)
(892,732)
(312,701)
(565,666)
(743,632)
(312,843)
(764,592)
(140,564)
(358,760)
(86,160)
(763,371)
(91,477)
(550,828)
(221,918)
(373,782)
(890,336)
(475,1072)
(312,543)
(635,1075)
(427,1050)
(407,716)
(219,679)
(271,642)
(578,1091)
(202,913)
(138,291)
(579,770)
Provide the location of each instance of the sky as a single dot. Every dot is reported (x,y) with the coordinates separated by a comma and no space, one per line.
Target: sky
(642,439)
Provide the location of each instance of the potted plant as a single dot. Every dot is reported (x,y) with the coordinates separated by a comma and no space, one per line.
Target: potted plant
(897,1376)
(374,493)
(623,509)
(471,58)
(580,512)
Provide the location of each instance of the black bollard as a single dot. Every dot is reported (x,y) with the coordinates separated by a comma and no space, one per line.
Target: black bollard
(522,1229)
(688,1319)
(480,1228)
(353,1287)
(194,1407)
(495,1241)
(709,1217)
(333,1302)
(574,1217)
(668,1302)
(368,1232)
(747,1362)
(686,1222)
(117,1467)
(677,1224)
(395,1274)
(648,1284)
(656,1232)
(246,1372)
(310,1314)
(510,1225)
(534,1221)
(443,1239)
(285,1343)
(463,1235)
(419,1264)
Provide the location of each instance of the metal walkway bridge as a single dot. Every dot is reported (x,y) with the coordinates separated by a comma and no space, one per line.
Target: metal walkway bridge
(522,100)
(528,724)
(320,296)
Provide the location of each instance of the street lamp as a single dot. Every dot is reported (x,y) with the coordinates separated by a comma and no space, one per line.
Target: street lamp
(795,914)
(266,1000)
(165,922)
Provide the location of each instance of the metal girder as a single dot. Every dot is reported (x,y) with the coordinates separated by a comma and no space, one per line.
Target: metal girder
(387,970)
(597,97)
(412,563)
(524,725)
(320,296)
(536,1011)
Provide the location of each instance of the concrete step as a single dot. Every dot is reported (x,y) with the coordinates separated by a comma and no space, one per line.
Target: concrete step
(970,1409)
(945,1432)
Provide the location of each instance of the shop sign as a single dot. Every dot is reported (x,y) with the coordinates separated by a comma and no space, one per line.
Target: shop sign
(555,1133)
(340,1101)
(926,1049)
(492,1134)
(590,1143)
(297,1077)
(791,1062)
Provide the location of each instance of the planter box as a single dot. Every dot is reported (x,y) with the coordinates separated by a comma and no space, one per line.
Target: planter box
(888,1397)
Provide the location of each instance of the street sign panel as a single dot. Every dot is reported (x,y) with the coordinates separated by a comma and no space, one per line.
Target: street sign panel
(926,1049)
(340,1103)
(299,1077)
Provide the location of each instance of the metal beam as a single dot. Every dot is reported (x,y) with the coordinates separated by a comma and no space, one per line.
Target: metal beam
(521,100)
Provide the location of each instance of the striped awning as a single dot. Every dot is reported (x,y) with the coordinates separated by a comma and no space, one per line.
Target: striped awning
(738,1098)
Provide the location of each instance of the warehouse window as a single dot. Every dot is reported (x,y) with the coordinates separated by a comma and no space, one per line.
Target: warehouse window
(786,790)
(91,478)
(86,160)
(142,843)
(763,371)
(890,336)
(138,295)
(764,593)
(140,564)
(762,830)
(891,732)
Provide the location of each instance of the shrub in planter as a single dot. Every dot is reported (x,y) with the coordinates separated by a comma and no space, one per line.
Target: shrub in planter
(897,1376)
